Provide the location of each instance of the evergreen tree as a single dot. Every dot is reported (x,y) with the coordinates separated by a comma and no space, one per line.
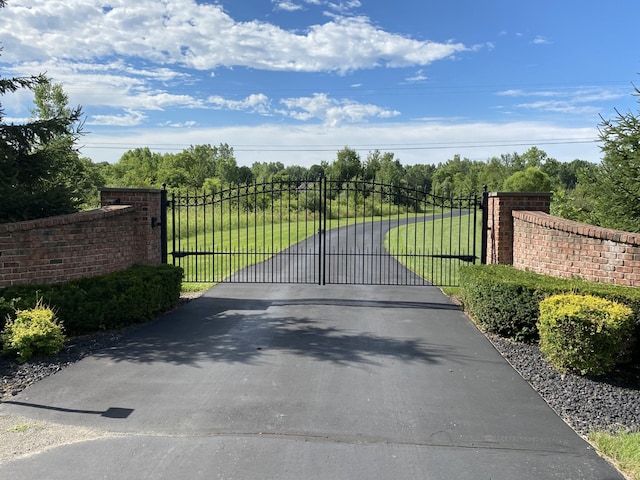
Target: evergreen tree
(616,184)
(30,183)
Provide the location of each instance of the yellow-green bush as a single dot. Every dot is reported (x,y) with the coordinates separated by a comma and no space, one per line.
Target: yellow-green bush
(585,334)
(33,332)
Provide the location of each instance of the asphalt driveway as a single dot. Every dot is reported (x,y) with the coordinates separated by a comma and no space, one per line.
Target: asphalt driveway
(303,382)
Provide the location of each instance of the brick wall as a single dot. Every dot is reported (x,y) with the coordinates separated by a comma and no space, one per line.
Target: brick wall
(66,247)
(562,248)
(500,221)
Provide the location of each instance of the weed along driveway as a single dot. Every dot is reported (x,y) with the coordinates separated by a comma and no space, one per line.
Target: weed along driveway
(302,382)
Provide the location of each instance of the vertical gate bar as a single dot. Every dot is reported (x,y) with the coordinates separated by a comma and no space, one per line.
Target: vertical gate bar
(346,243)
(279,257)
(173,228)
(163,224)
(247,220)
(382,250)
(485,225)
(230,221)
(373,246)
(416,208)
(255,231)
(288,229)
(196,203)
(206,260)
(320,215)
(397,247)
(238,256)
(188,258)
(364,216)
(451,215)
(475,224)
(424,237)
(400,197)
(323,237)
(223,258)
(433,238)
(214,226)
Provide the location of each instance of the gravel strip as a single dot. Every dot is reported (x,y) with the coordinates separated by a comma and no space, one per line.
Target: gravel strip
(610,403)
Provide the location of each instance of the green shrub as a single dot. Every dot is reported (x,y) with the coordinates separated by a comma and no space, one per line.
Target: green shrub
(33,332)
(506,301)
(106,302)
(502,301)
(585,334)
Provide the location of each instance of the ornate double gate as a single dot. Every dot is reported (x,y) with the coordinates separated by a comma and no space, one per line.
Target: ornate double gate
(324,232)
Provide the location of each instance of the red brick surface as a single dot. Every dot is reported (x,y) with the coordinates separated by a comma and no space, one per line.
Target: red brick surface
(562,248)
(85,244)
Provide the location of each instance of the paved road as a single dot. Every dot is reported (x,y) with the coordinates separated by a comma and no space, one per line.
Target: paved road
(356,254)
(303,382)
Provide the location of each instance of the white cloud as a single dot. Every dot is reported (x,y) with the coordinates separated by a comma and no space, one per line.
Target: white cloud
(574,101)
(287,6)
(540,40)
(130,119)
(187,124)
(344,7)
(427,142)
(258,103)
(331,111)
(204,37)
(417,78)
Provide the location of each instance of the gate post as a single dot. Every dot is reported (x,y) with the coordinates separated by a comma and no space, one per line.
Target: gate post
(500,220)
(485,225)
(163,224)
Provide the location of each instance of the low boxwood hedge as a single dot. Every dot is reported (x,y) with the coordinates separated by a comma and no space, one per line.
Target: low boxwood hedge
(104,302)
(506,301)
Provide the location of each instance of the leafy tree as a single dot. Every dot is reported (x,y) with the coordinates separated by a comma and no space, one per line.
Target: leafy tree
(316,171)
(531,179)
(391,171)
(264,172)
(34,159)
(136,168)
(419,177)
(457,177)
(346,166)
(616,184)
(78,175)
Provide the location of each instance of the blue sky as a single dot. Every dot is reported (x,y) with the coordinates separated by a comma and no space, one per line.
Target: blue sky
(297,80)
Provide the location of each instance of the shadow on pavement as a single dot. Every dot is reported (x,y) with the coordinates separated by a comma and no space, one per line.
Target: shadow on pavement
(241,331)
(113,412)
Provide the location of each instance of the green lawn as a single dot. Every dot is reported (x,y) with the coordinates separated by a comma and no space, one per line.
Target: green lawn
(418,245)
(252,242)
(623,449)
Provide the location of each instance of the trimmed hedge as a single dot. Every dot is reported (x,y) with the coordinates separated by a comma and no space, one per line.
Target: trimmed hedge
(105,302)
(506,301)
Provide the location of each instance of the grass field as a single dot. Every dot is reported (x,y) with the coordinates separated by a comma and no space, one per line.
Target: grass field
(423,247)
(235,241)
(623,449)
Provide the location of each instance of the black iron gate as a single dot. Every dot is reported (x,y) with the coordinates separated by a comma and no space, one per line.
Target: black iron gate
(324,232)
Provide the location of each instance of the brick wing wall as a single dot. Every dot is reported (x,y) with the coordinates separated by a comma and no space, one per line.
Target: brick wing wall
(66,247)
(562,248)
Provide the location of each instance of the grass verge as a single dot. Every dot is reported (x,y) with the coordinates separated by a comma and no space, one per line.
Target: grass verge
(623,449)
(419,246)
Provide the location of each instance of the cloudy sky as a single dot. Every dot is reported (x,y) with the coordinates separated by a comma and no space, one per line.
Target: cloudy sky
(297,80)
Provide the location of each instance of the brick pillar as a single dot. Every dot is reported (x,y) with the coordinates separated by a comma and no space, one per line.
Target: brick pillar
(148,205)
(500,221)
